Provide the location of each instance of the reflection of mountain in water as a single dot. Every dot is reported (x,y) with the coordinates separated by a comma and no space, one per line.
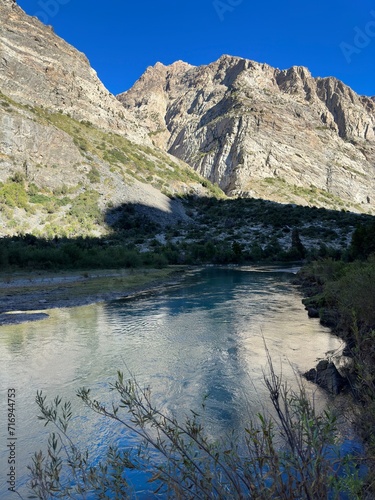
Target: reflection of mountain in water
(201,339)
(206,339)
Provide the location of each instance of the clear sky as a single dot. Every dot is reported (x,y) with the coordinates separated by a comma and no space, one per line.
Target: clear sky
(122,37)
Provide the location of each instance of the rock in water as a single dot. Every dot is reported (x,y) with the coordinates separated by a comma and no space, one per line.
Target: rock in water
(327,376)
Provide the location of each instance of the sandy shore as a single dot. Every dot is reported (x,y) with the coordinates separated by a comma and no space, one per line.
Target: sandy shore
(24,296)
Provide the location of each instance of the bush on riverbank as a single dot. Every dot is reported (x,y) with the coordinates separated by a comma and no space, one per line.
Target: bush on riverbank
(29,252)
(344,295)
(292,456)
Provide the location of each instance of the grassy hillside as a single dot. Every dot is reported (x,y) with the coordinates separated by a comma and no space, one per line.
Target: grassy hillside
(92,171)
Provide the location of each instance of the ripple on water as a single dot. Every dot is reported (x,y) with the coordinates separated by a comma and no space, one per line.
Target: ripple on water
(202,343)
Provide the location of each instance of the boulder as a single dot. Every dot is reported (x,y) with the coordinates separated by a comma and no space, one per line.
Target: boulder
(312,312)
(327,376)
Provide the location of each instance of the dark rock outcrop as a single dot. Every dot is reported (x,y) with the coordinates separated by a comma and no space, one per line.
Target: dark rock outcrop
(327,376)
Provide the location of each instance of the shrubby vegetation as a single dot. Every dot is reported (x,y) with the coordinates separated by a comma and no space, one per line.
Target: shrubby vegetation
(13,194)
(219,232)
(343,292)
(29,252)
(292,456)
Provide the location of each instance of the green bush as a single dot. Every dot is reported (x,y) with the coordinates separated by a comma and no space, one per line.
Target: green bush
(85,207)
(13,194)
(363,241)
(115,156)
(39,198)
(4,257)
(94,175)
(353,295)
(18,177)
(289,457)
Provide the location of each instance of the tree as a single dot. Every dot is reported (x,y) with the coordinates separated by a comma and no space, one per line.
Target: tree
(297,247)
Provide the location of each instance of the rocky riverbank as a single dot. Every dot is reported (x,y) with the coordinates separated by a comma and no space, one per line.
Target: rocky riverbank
(23,297)
(342,295)
(330,374)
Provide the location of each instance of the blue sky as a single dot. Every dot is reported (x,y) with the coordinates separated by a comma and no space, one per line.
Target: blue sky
(122,37)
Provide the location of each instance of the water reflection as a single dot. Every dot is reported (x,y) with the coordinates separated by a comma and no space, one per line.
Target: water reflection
(200,342)
(213,330)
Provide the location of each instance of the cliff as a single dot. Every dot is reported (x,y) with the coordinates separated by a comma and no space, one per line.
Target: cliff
(259,131)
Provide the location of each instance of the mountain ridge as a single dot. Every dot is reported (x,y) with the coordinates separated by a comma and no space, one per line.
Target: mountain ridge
(231,120)
(82,175)
(37,67)
(74,161)
(69,151)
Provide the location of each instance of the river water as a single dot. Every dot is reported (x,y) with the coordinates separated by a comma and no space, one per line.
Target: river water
(201,340)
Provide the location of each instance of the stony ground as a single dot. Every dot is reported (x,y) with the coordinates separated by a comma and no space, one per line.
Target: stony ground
(24,296)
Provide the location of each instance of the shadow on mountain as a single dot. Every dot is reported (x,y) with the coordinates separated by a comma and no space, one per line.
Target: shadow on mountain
(196,230)
(145,217)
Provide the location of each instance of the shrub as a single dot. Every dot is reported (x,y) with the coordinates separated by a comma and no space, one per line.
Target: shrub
(4,257)
(182,462)
(94,175)
(297,245)
(85,207)
(363,241)
(13,194)
(18,177)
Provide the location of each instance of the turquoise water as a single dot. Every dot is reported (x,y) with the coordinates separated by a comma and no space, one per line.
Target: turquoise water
(200,340)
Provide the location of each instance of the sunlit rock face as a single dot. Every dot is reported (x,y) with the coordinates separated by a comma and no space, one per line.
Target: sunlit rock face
(39,68)
(59,124)
(260,131)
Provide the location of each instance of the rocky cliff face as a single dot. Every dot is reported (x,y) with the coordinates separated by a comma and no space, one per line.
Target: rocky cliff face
(64,137)
(258,131)
(39,68)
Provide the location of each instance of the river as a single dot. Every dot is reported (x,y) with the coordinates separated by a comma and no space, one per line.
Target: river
(200,340)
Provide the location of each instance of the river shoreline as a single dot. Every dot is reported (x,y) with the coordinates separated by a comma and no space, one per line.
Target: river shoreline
(24,297)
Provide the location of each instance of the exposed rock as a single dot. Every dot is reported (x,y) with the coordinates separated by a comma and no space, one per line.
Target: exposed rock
(312,312)
(258,131)
(23,139)
(39,68)
(327,376)
(58,123)
(16,318)
(329,317)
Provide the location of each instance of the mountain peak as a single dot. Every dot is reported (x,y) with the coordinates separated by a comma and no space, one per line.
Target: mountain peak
(255,130)
(38,68)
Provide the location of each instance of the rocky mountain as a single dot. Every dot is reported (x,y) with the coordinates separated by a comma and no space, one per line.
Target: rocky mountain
(75,161)
(39,68)
(262,132)
(67,144)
